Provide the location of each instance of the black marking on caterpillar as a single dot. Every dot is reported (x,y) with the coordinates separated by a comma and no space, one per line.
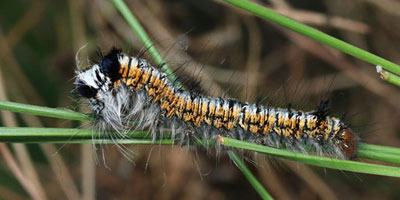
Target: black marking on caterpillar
(122,90)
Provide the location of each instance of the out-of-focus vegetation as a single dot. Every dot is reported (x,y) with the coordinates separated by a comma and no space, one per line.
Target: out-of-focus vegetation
(232,54)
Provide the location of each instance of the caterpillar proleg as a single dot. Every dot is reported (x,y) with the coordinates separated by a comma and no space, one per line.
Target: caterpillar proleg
(128,93)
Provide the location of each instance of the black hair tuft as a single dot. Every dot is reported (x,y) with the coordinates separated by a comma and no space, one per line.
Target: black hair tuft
(322,110)
(85,90)
(110,64)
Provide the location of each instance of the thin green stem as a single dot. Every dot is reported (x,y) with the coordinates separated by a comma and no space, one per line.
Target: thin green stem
(393,79)
(73,136)
(315,34)
(372,155)
(378,148)
(250,177)
(43,111)
(388,76)
(326,162)
(36,135)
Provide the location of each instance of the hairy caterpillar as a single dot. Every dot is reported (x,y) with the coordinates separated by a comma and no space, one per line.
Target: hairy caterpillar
(127,92)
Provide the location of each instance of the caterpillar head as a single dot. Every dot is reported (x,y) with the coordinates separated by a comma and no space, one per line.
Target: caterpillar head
(95,83)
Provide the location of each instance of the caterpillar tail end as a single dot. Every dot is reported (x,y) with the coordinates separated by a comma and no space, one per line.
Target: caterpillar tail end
(349,143)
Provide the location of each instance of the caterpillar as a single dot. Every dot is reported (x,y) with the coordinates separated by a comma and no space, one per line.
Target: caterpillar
(128,93)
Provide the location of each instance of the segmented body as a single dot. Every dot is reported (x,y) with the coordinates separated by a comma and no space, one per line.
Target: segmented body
(126,88)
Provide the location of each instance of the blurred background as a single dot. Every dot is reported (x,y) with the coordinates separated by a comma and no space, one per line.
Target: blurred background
(227,52)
